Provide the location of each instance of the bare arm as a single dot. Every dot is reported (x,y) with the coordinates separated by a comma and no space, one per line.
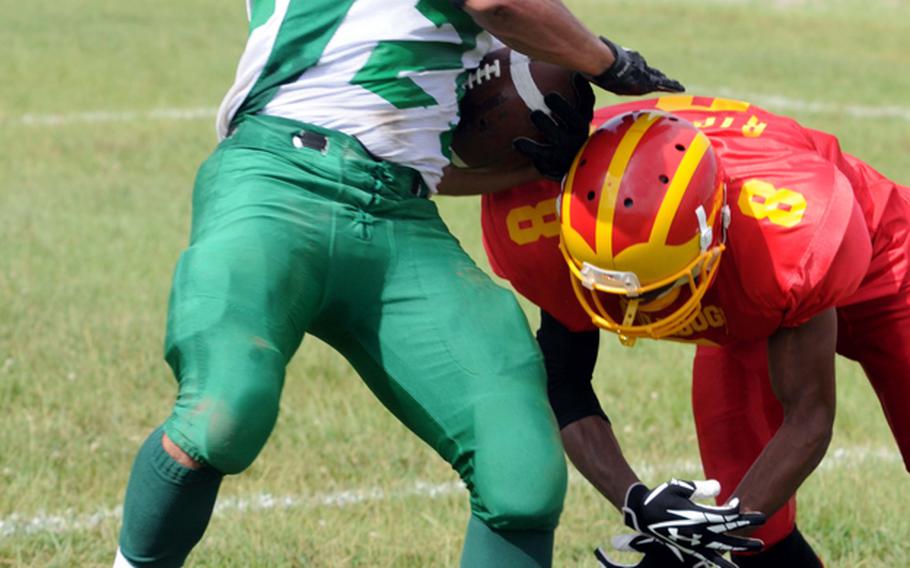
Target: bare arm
(545,30)
(666,512)
(801,362)
(586,432)
(595,452)
(477,181)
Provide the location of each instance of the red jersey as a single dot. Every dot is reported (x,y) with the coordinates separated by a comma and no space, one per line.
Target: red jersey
(806,232)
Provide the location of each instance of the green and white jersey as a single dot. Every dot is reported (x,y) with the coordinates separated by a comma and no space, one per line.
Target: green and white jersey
(388,72)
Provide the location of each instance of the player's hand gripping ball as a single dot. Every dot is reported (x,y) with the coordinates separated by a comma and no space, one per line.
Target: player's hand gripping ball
(510,97)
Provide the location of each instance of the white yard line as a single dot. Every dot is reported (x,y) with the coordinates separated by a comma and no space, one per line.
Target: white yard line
(771,101)
(18,524)
(98,117)
(782,103)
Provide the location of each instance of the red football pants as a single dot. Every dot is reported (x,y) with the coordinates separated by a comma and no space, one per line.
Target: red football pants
(736,413)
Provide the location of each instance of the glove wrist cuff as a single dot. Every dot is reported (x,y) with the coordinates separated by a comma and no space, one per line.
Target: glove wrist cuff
(635,494)
(615,71)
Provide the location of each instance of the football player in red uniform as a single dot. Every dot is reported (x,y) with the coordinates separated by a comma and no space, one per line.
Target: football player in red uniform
(716,222)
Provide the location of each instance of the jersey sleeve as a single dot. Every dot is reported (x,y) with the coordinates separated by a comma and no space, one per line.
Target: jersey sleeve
(798,236)
(844,274)
(521,239)
(569,358)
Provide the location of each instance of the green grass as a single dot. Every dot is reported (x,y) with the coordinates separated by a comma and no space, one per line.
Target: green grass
(94,215)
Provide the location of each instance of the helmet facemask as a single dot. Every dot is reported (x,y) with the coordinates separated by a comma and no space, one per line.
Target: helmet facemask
(591,283)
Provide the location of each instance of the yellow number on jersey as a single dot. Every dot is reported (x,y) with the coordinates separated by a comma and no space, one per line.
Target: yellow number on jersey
(753,128)
(761,200)
(671,103)
(530,223)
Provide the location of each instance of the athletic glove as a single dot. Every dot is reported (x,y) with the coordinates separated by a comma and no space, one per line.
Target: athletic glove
(657,554)
(565,130)
(630,74)
(669,514)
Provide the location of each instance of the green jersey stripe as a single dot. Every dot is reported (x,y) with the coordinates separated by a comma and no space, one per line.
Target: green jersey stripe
(388,72)
(259,12)
(306,29)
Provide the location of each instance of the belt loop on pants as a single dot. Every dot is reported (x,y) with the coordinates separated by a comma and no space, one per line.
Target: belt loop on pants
(418,187)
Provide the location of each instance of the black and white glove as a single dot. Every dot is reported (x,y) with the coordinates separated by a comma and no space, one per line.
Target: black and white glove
(630,74)
(565,130)
(657,554)
(669,514)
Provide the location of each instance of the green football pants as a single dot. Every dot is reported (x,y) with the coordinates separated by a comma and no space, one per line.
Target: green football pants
(298,229)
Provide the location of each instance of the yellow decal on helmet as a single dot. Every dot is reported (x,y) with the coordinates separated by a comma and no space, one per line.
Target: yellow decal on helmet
(678,186)
(613,180)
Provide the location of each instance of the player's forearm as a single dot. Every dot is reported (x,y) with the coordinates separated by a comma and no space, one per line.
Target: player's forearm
(569,357)
(477,181)
(544,30)
(595,452)
(801,365)
(789,458)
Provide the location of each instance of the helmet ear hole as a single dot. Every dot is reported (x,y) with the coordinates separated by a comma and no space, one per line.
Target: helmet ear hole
(628,202)
(591,195)
(680,147)
(664,179)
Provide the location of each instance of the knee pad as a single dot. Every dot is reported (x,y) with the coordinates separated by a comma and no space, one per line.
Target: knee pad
(526,500)
(519,477)
(225,433)
(226,408)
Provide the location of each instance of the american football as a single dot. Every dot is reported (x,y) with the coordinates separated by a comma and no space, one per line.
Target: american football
(499,96)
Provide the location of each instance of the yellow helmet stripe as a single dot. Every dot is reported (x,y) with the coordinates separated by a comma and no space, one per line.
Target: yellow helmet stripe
(677,189)
(613,180)
(566,195)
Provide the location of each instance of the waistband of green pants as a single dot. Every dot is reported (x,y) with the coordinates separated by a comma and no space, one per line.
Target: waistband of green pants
(288,134)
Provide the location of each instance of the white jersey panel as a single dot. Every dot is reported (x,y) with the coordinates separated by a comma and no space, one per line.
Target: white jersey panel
(258,49)
(325,95)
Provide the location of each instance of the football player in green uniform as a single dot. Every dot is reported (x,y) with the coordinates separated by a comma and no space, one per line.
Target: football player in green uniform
(312,216)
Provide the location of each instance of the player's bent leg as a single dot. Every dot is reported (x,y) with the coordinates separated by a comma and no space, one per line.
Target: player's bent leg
(518,472)
(486,547)
(227,404)
(237,314)
(736,414)
(451,355)
(877,335)
(230,378)
(518,480)
(519,483)
(505,447)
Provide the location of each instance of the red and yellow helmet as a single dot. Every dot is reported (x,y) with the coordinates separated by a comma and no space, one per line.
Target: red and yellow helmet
(643,223)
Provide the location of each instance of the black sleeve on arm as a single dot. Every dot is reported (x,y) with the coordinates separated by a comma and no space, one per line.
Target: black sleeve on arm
(569,358)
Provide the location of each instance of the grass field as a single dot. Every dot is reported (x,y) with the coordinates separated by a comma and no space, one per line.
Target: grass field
(106,109)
